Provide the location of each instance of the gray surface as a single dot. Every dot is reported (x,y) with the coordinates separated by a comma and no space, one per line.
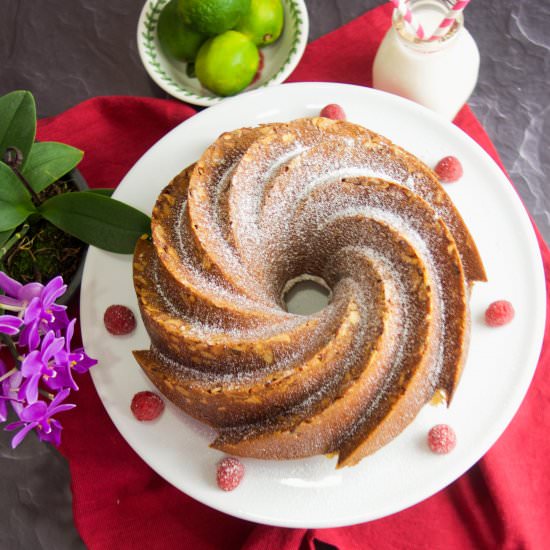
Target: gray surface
(66,51)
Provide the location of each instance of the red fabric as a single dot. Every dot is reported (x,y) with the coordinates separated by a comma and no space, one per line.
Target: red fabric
(119,502)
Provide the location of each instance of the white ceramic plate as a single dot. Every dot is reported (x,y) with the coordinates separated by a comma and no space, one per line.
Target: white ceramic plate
(280,58)
(311,493)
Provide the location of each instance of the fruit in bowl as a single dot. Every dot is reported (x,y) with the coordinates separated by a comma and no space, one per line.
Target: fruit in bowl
(212,16)
(227,63)
(219,39)
(177,39)
(263,22)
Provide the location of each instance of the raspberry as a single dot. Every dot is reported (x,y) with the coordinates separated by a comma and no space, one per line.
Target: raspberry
(119,320)
(449,169)
(230,473)
(146,406)
(260,68)
(442,439)
(333,111)
(499,313)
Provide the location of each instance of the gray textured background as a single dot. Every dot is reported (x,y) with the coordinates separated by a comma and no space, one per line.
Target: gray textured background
(66,51)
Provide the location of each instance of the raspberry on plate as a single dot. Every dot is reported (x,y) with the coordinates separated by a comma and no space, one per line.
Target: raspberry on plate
(449,169)
(229,473)
(442,439)
(333,111)
(119,320)
(499,313)
(146,406)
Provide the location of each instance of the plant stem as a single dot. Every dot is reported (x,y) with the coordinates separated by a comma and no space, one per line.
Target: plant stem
(7,374)
(13,239)
(49,395)
(12,349)
(14,159)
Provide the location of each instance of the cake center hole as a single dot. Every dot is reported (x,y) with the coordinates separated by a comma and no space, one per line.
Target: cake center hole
(306,294)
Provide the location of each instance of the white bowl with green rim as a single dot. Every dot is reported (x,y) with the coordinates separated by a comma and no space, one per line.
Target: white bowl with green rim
(280,58)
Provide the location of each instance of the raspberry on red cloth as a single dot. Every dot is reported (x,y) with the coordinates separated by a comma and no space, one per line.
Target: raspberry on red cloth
(229,473)
(442,439)
(333,111)
(499,313)
(146,406)
(119,320)
(449,169)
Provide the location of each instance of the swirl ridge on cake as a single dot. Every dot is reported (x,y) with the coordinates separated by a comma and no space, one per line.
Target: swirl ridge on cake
(313,198)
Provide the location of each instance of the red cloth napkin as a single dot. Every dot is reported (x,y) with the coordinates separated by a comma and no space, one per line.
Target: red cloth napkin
(120,503)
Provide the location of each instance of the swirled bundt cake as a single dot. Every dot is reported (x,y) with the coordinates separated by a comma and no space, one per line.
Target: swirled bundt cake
(264,206)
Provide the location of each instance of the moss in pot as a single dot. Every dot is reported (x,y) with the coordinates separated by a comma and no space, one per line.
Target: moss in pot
(40,251)
(47,213)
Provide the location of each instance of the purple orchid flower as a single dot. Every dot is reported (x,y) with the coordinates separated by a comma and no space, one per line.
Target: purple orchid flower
(38,416)
(66,361)
(39,364)
(43,313)
(3,404)
(15,294)
(10,325)
(9,390)
(43,358)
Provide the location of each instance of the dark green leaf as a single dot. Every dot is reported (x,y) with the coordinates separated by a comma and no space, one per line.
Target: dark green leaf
(97,220)
(102,191)
(15,202)
(48,161)
(17,122)
(12,215)
(4,236)
(11,189)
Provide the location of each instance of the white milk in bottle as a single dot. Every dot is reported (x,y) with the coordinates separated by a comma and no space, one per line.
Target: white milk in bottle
(439,74)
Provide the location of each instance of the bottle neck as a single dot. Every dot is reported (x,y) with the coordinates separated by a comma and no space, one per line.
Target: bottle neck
(429,13)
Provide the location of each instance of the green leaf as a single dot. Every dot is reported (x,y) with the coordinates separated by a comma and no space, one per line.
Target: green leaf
(102,191)
(4,236)
(17,122)
(12,215)
(48,161)
(15,202)
(97,220)
(11,189)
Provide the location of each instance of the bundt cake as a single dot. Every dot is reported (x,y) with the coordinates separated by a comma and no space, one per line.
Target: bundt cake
(318,198)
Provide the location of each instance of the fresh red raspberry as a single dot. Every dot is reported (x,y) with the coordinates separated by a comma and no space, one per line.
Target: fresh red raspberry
(499,313)
(230,473)
(333,111)
(442,439)
(260,68)
(146,406)
(119,320)
(449,169)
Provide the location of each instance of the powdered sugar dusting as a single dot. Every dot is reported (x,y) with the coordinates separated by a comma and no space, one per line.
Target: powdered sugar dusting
(322,199)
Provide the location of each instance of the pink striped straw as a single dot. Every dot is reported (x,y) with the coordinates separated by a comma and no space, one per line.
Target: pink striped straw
(403,8)
(447,23)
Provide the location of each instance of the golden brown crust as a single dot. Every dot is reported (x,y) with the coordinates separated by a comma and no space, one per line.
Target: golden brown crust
(265,205)
(179,338)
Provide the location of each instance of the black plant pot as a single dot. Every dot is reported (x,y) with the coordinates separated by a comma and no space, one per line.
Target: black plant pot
(74,283)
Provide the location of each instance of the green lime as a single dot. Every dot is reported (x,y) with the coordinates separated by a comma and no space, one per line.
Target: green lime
(263,23)
(227,63)
(177,39)
(212,16)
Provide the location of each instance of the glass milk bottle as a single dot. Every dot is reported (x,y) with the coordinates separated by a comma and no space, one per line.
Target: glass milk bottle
(439,74)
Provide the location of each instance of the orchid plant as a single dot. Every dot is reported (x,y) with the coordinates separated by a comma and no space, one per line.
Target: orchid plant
(37,361)
(27,171)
